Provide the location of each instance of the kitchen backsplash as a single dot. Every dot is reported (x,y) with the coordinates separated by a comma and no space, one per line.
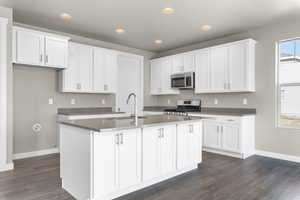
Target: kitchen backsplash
(233,100)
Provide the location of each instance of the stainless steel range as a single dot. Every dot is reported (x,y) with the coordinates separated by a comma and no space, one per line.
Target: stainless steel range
(185,106)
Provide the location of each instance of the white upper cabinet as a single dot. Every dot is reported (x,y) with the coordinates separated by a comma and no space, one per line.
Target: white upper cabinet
(218,68)
(105,70)
(189,61)
(231,68)
(56,52)
(202,72)
(32,47)
(161,70)
(184,62)
(241,66)
(28,48)
(91,70)
(77,77)
(177,64)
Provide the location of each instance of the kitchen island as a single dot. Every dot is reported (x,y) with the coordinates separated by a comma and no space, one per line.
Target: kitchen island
(106,158)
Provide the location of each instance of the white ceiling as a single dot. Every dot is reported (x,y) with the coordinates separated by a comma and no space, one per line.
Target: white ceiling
(144,22)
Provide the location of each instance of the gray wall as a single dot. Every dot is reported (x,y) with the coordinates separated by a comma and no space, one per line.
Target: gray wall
(7,13)
(268,137)
(32,88)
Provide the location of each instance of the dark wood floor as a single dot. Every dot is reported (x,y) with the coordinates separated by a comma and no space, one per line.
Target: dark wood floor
(218,178)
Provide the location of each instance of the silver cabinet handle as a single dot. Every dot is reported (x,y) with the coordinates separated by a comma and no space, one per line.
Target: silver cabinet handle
(117,139)
(41,58)
(105,87)
(162,133)
(46,59)
(78,86)
(121,140)
(191,128)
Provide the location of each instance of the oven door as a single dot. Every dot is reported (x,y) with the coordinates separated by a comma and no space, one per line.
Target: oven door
(178,81)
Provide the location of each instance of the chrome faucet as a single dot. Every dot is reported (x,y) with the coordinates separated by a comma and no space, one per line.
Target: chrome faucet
(135,107)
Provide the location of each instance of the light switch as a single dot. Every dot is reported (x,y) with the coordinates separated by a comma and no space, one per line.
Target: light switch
(50,101)
(245,101)
(169,101)
(103,101)
(216,101)
(73,101)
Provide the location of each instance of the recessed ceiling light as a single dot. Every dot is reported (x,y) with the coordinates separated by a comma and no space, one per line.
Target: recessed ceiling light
(206,27)
(120,31)
(65,16)
(157,41)
(168,10)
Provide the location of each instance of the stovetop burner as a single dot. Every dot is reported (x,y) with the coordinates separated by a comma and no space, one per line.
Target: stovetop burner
(185,106)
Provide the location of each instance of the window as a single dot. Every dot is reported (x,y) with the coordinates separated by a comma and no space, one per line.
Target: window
(288,83)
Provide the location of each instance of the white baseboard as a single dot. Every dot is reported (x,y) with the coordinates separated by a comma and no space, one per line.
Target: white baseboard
(35,153)
(7,167)
(278,156)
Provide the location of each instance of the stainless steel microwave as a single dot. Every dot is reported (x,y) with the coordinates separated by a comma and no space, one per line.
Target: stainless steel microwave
(183,80)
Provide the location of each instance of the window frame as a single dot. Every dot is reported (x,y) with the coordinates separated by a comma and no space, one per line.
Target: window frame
(278,85)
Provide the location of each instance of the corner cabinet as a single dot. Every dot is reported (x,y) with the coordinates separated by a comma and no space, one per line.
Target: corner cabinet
(91,70)
(226,68)
(161,70)
(234,136)
(37,48)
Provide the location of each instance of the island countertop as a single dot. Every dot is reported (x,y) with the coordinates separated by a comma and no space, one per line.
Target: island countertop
(123,123)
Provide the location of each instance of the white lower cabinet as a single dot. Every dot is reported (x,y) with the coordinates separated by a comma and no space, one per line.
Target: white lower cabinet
(233,136)
(189,139)
(159,151)
(116,161)
(107,165)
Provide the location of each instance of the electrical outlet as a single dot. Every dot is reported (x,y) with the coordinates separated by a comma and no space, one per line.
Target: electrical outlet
(50,101)
(216,101)
(73,101)
(245,101)
(169,101)
(103,101)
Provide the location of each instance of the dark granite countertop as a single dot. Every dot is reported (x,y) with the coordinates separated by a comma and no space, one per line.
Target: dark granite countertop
(210,110)
(86,111)
(123,123)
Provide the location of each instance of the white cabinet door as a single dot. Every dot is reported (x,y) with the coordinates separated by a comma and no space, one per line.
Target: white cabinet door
(195,143)
(202,74)
(71,75)
(104,164)
(167,149)
(189,62)
(128,158)
(218,68)
(28,47)
(188,145)
(56,52)
(111,71)
(211,137)
(178,64)
(230,137)
(155,76)
(86,67)
(237,67)
(165,73)
(151,152)
(99,70)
